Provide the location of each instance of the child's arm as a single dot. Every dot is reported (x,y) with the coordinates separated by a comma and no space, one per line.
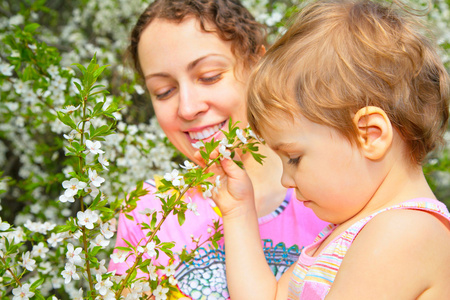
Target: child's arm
(401,254)
(248,274)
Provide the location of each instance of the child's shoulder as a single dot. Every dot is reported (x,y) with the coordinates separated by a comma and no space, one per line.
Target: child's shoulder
(409,225)
(406,232)
(404,247)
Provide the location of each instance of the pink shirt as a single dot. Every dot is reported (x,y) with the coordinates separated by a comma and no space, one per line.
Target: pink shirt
(284,232)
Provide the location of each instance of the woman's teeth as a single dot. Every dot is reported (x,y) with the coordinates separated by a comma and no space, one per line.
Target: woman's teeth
(205,133)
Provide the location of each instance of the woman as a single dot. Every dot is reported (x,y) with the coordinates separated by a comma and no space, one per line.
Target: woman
(195,58)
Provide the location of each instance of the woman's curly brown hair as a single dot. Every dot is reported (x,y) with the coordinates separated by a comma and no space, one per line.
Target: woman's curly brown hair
(232,22)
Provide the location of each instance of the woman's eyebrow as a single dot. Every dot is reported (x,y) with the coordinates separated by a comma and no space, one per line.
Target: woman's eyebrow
(192,64)
(156,75)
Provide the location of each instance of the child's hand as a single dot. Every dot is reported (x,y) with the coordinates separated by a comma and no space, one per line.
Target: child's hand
(234,196)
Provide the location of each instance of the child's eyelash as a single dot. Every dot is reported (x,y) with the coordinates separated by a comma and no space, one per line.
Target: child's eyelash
(294,161)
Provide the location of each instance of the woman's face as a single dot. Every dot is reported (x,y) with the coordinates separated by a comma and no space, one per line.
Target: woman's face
(193,80)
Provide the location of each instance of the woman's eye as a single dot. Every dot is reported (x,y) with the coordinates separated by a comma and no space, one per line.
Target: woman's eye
(164,95)
(294,161)
(212,79)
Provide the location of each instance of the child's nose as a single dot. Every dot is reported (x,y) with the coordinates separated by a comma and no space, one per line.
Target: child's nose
(286,180)
(192,103)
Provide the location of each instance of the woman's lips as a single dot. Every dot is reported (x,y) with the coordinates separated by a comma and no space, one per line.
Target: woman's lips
(205,133)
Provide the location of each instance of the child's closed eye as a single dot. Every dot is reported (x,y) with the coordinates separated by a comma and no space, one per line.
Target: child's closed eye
(294,161)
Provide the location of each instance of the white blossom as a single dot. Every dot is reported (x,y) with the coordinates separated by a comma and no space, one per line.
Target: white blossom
(20,87)
(240,135)
(152,272)
(69,109)
(160,293)
(39,250)
(170,270)
(198,145)
(146,211)
(6,69)
(73,254)
(99,241)
(4,225)
(45,267)
(78,295)
(149,249)
(107,230)
(69,273)
(253,135)
(103,161)
(217,183)
(119,256)
(94,147)
(53,70)
(59,83)
(96,180)
(188,165)
(87,218)
(71,136)
(54,239)
(63,198)
(138,89)
(207,191)
(102,286)
(224,142)
(193,207)
(226,154)
(175,178)
(101,268)
(72,186)
(22,292)
(27,262)
(172,280)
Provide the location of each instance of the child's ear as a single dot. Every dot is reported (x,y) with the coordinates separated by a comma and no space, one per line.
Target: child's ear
(375,131)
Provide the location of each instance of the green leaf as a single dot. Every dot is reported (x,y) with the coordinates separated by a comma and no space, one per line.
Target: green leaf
(31,27)
(95,250)
(123,248)
(96,201)
(37,283)
(66,119)
(129,217)
(239,163)
(79,88)
(99,71)
(81,68)
(181,218)
(128,243)
(204,155)
(153,221)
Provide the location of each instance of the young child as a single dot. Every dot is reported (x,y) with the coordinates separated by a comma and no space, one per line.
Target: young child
(351,98)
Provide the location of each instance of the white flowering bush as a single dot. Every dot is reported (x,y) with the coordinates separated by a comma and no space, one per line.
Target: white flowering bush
(72,156)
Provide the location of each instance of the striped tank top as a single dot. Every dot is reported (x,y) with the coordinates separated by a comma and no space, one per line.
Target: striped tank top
(313,276)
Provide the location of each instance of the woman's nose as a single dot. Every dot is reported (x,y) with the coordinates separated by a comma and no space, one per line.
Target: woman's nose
(192,103)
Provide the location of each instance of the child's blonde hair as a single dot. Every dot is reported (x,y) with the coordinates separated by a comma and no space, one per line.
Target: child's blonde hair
(340,56)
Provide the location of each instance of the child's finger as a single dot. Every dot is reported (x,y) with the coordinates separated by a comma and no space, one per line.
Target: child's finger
(231,169)
(198,156)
